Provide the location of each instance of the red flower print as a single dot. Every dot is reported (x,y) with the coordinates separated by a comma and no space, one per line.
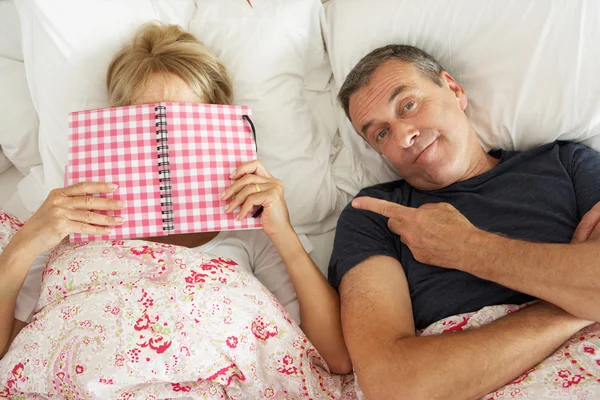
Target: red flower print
(589,350)
(188,290)
(159,343)
(196,278)
(259,329)
(563,373)
(224,377)
(456,326)
(134,355)
(522,377)
(287,367)
(119,360)
(225,261)
(18,369)
(79,370)
(232,342)
(142,323)
(74,266)
(106,381)
(576,379)
(140,251)
(178,388)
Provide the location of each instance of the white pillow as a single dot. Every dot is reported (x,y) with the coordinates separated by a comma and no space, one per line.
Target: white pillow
(19,127)
(275,55)
(10,31)
(530,69)
(274,51)
(67,46)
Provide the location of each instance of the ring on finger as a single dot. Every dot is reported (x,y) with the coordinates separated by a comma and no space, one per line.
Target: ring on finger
(257,187)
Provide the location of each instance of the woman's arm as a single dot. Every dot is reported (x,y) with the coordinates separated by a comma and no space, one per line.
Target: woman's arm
(15,261)
(65,211)
(319,302)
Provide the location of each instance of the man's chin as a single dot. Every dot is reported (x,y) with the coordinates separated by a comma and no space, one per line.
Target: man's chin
(432,181)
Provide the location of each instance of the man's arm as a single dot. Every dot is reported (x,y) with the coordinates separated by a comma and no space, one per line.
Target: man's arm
(438,234)
(391,362)
(564,274)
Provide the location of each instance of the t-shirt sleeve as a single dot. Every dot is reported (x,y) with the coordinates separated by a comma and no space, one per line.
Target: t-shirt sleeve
(359,235)
(30,291)
(585,174)
(271,272)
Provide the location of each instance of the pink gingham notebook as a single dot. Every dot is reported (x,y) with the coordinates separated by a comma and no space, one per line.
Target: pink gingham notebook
(171,162)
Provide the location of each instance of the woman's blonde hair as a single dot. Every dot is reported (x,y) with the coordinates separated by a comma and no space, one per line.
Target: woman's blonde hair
(166,49)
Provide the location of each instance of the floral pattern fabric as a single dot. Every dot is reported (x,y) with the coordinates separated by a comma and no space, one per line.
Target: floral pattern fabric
(140,320)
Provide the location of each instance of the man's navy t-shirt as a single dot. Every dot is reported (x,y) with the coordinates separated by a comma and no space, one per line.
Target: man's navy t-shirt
(538,195)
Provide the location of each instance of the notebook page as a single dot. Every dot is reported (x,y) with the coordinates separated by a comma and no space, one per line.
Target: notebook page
(206,143)
(119,145)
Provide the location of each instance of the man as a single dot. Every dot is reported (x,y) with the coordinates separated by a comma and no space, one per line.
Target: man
(465,229)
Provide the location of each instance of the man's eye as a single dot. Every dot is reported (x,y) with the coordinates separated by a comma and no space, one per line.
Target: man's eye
(381,135)
(409,105)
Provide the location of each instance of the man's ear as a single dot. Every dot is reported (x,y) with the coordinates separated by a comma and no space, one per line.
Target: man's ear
(456,88)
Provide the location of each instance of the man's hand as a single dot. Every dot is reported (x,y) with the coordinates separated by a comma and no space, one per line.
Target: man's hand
(435,233)
(589,226)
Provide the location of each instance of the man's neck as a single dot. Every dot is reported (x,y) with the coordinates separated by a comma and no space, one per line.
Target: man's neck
(482,164)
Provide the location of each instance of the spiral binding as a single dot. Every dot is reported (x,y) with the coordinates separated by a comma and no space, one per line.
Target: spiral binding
(164,169)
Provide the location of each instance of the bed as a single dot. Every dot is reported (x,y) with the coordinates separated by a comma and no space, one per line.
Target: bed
(288,61)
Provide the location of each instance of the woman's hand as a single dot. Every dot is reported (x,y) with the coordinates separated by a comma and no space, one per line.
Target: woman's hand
(67,211)
(255,186)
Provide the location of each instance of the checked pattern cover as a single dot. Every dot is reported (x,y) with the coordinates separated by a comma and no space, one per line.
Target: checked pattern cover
(171,162)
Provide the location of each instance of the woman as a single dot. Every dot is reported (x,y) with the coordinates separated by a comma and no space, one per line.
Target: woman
(163,63)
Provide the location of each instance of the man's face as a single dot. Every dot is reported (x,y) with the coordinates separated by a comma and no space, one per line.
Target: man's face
(420,127)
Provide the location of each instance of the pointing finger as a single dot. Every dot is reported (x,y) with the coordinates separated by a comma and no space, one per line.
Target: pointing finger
(382,207)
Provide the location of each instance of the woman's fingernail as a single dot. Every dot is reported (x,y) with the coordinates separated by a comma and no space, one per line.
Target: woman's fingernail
(226,207)
(232,174)
(223,195)
(121,203)
(119,220)
(113,186)
(108,230)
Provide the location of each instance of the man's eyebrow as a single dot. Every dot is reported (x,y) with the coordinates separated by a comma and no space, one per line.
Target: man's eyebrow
(397,92)
(365,127)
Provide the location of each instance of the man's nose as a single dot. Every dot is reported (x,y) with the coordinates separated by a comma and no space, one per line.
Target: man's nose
(405,135)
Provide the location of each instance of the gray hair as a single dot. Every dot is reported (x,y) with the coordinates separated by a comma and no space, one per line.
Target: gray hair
(362,72)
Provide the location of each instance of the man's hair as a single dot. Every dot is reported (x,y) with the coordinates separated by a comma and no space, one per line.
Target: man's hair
(166,49)
(362,72)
